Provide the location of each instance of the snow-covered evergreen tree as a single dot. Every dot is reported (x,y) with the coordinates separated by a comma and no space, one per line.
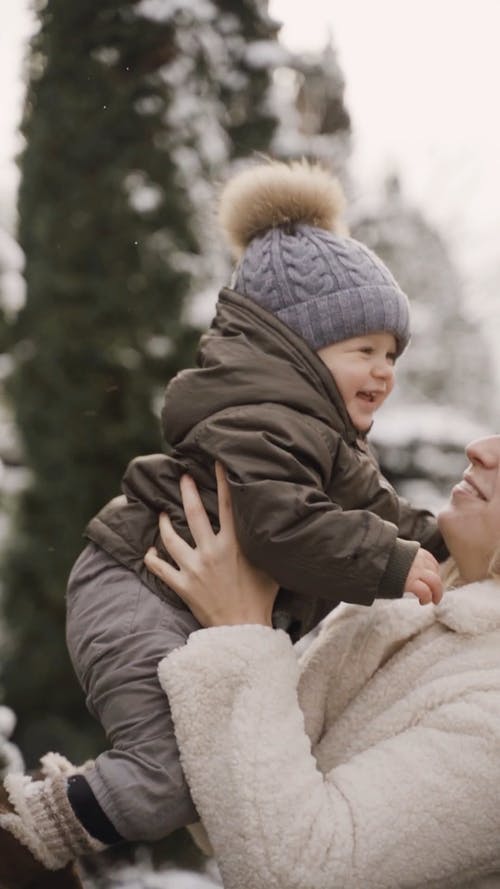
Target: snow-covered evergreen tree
(448,360)
(10,755)
(222,115)
(13,475)
(131,108)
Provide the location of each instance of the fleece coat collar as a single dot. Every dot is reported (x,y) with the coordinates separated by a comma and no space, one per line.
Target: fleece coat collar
(474,609)
(366,639)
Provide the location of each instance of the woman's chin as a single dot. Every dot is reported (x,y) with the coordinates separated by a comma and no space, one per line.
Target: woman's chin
(450,523)
(460,526)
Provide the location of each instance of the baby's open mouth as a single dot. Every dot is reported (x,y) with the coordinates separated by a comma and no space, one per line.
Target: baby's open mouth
(367,396)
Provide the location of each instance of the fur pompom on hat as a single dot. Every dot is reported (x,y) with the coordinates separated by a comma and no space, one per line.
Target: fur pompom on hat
(284,225)
(276,194)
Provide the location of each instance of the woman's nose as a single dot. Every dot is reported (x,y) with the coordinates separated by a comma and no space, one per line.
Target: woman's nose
(485,451)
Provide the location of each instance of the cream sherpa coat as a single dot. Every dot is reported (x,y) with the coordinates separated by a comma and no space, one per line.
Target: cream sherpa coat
(402,711)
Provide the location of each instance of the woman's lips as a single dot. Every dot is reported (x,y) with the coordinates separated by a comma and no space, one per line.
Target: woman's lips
(468,488)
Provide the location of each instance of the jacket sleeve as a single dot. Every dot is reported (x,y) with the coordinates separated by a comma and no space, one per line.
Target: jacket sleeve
(413,523)
(421,525)
(416,809)
(278,470)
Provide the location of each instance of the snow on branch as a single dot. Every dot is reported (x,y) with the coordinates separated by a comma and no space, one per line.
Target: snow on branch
(10,756)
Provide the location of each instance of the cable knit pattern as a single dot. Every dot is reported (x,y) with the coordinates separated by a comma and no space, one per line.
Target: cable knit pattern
(325,287)
(298,263)
(391,782)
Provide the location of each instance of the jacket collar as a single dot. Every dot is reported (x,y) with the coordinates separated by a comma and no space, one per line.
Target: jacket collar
(366,638)
(295,348)
(473,609)
(249,357)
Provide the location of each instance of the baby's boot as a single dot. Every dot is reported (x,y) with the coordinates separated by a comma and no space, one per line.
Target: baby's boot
(40,835)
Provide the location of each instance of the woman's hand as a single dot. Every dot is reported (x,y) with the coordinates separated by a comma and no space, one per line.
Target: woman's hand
(215,580)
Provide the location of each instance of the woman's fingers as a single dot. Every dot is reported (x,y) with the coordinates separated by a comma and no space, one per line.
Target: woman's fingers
(196,514)
(226,519)
(177,580)
(214,578)
(162,569)
(180,551)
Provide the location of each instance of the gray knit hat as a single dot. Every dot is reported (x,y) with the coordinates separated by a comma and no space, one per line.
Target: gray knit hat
(295,260)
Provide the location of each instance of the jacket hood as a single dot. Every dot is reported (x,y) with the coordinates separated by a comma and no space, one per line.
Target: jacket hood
(250,357)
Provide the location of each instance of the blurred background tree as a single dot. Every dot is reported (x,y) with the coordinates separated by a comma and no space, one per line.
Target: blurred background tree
(448,362)
(130,108)
(434,409)
(314,121)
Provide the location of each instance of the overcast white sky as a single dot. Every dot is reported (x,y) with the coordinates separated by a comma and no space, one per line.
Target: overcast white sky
(422,90)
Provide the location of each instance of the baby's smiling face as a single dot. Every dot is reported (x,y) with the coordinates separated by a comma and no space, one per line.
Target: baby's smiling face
(363,369)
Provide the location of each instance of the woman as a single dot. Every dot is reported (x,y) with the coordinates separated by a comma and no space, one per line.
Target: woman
(374,762)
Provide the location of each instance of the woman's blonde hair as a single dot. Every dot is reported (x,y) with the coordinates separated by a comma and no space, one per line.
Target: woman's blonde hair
(450,575)
(494,569)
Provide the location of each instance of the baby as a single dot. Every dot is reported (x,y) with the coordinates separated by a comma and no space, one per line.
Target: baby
(299,357)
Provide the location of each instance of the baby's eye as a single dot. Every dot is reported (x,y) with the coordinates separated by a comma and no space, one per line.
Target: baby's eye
(367,350)
(391,356)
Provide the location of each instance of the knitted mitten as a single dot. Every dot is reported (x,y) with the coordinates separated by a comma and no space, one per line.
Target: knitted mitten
(38,823)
